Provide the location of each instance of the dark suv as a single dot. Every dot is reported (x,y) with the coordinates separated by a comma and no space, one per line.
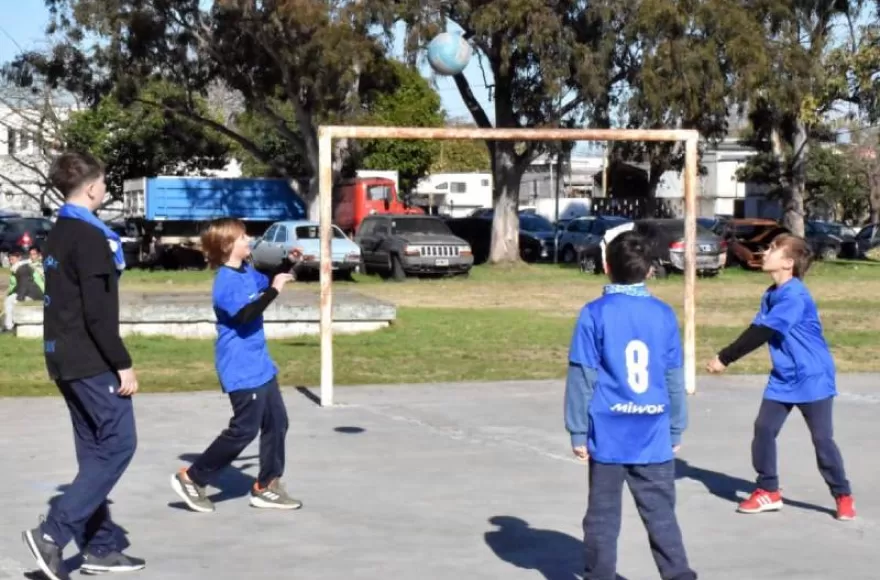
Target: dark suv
(396,245)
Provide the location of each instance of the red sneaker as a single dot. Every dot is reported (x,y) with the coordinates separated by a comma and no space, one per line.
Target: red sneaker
(761,501)
(846,508)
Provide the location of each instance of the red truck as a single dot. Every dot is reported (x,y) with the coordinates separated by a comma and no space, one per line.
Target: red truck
(355,199)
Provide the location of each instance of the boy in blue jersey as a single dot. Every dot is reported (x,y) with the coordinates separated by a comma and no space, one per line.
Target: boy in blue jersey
(625,409)
(246,371)
(803,376)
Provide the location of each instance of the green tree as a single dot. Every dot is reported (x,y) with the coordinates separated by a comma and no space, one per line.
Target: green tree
(547,62)
(685,64)
(837,180)
(277,54)
(806,76)
(462,155)
(409,101)
(391,94)
(142,141)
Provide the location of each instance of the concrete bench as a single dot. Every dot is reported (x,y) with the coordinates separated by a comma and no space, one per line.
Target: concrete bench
(190,315)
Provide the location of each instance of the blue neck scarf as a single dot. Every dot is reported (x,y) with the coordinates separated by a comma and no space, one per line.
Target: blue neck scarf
(628,289)
(78,212)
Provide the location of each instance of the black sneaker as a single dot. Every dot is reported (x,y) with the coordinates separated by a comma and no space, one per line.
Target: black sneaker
(47,553)
(111,563)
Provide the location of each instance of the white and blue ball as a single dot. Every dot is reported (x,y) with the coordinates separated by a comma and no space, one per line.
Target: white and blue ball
(449,53)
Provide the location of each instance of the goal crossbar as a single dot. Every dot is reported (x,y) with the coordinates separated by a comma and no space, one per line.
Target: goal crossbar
(327,133)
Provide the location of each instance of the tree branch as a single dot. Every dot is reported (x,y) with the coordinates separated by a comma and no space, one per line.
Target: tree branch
(467,95)
(246,143)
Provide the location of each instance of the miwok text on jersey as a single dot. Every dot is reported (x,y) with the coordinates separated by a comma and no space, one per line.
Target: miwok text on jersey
(634,409)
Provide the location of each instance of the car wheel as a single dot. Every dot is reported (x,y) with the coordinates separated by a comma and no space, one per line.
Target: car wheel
(829,253)
(660,271)
(589,264)
(568,255)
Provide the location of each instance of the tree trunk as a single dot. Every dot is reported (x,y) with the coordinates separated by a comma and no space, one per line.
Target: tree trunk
(793,196)
(505,223)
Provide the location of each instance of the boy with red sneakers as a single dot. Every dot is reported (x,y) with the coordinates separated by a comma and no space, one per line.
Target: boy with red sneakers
(803,376)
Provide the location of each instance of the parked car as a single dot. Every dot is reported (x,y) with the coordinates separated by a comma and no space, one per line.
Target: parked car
(748,239)
(477,232)
(867,239)
(22,232)
(397,245)
(269,250)
(825,240)
(583,232)
(666,242)
(535,226)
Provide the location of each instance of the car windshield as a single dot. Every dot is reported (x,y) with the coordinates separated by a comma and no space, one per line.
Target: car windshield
(314,232)
(421,226)
(530,222)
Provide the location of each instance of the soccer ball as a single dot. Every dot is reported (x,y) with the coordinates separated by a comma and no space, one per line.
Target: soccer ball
(449,53)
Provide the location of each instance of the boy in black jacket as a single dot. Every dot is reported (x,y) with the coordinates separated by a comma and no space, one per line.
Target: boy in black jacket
(87,359)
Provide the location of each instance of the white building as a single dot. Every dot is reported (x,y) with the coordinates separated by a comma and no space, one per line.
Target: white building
(23,163)
(719,190)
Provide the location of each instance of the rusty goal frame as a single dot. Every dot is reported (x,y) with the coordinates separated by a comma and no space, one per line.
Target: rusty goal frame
(326,135)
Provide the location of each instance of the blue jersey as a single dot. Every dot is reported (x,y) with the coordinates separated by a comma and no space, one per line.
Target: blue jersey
(803,368)
(631,341)
(242,355)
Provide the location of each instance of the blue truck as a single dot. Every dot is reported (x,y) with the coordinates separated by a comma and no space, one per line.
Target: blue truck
(166,214)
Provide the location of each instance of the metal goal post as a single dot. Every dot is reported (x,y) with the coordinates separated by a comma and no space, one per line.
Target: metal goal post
(327,133)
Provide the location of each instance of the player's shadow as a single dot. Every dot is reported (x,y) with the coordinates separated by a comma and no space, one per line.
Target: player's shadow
(74,563)
(555,555)
(729,488)
(231,482)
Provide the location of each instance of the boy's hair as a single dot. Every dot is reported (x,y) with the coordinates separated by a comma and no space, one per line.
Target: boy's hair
(16,252)
(35,249)
(797,250)
(218,239)
(72,170)
(628,259)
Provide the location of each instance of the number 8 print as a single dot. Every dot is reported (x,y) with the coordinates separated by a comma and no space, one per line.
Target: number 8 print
(637,366)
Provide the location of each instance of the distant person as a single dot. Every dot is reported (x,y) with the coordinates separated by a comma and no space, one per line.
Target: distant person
(803,376)
(246,371)
(87,359)
(625,408)
(25,283)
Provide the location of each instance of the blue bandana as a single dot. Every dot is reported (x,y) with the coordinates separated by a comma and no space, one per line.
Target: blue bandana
(628,289)
(80,213)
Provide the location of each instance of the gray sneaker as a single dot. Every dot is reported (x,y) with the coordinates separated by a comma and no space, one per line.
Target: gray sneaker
(111,563)
(193,495)
(273,496)
(47,553)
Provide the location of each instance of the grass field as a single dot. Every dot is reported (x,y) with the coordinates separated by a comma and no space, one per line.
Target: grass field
(501,323)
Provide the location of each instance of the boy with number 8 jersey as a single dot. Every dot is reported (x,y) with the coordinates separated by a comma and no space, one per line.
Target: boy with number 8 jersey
(625,408)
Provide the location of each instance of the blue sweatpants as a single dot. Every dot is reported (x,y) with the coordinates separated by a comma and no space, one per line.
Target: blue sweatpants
(259,411)
(818,416)
(653,488)
(105,441)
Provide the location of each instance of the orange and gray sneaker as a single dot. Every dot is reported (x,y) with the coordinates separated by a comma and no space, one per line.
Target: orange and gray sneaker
(846,508)
(760,501)
(273,496)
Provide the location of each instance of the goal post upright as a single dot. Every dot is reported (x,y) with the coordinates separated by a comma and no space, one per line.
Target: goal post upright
(327,133)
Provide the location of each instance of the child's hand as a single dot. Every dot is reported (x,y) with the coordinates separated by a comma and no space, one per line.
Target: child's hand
(280,280)
(675,448)
(580,453)
(716,366)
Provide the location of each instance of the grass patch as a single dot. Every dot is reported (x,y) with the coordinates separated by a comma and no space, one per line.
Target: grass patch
(501,323)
